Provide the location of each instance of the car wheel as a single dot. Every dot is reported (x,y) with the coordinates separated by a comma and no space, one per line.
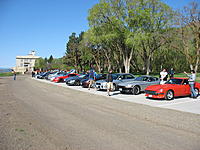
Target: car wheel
(114,87)
(169,95)
(122,92)
(77,83)
(196,91)
(136,90)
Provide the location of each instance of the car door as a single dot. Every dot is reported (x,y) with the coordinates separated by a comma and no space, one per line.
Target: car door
(180,89)
(153,81)
(120,79)
(144,83)
(186,87)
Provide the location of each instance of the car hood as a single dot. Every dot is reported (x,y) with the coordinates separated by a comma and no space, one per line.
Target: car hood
(160,86)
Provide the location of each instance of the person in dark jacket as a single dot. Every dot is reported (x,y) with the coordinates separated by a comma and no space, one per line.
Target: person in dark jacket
(14,75)
(33,74)
(109,80)
(171,73)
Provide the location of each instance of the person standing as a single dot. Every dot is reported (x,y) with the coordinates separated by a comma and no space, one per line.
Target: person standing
(33,74)
(109,79)
(191,81)
(163,76)
(171,73)
(92,78)
(14,75)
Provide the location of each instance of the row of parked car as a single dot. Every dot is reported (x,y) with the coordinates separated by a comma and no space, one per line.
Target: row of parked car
(126,83)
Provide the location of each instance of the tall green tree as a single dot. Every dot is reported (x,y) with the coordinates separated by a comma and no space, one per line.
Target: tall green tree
(129,25)
(188,34)
(72,51)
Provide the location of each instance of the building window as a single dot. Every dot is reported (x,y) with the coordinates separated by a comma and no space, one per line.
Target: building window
(21,60)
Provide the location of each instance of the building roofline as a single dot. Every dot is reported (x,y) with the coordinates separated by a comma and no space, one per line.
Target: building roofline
(28,56)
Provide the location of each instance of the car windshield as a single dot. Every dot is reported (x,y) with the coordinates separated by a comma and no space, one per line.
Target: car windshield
(115,76)
(174,81)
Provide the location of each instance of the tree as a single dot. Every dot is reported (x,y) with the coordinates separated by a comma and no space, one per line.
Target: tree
(50,59)
(189,34)
(149,22)
(109,17)
(131,25)
(73,52)
(40,64)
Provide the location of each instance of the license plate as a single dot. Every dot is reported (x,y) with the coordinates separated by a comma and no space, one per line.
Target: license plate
(120,89)
(149,95)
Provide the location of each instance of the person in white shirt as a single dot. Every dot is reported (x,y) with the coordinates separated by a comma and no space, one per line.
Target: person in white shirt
(191,81)
(163,76)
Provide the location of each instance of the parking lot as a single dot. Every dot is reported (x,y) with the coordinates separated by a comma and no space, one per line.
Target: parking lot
(185,104)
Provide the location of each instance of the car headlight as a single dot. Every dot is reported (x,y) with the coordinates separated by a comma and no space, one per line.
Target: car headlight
(129,86)
(161,90)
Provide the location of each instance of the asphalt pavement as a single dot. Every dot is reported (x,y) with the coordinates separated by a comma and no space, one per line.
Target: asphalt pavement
(38,116)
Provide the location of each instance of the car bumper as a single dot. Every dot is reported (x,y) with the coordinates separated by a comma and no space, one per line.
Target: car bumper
(101,87)
(125,89)
(158,95)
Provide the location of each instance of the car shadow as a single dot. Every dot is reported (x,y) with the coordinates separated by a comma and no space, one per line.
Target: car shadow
(116,94)
(162,99)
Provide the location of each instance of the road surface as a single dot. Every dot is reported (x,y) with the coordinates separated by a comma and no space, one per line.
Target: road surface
(40,116)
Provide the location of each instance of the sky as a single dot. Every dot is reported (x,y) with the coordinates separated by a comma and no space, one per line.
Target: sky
(44,26)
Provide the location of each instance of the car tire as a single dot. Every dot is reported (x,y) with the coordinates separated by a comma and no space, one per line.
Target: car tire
(169,95)
(196,91)
(78,83)
(122,92)
(136,90)
(114,87)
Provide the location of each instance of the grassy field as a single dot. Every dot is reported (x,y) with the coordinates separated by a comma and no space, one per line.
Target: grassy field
(6,74)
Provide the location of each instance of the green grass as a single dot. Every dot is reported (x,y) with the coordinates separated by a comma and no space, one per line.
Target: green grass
(6,74)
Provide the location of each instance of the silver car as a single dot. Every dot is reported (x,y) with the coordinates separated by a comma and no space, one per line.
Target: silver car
(117,78)
(138,85)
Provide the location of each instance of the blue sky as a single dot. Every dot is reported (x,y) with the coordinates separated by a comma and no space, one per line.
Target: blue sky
(44,25)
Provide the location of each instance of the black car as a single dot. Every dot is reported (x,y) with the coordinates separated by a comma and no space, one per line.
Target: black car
(76,80)
(85,82)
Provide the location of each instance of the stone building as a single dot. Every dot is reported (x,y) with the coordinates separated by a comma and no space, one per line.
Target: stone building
(25,63)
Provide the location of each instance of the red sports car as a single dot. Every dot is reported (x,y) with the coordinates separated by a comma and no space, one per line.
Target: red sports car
(174,87)
(61,78)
